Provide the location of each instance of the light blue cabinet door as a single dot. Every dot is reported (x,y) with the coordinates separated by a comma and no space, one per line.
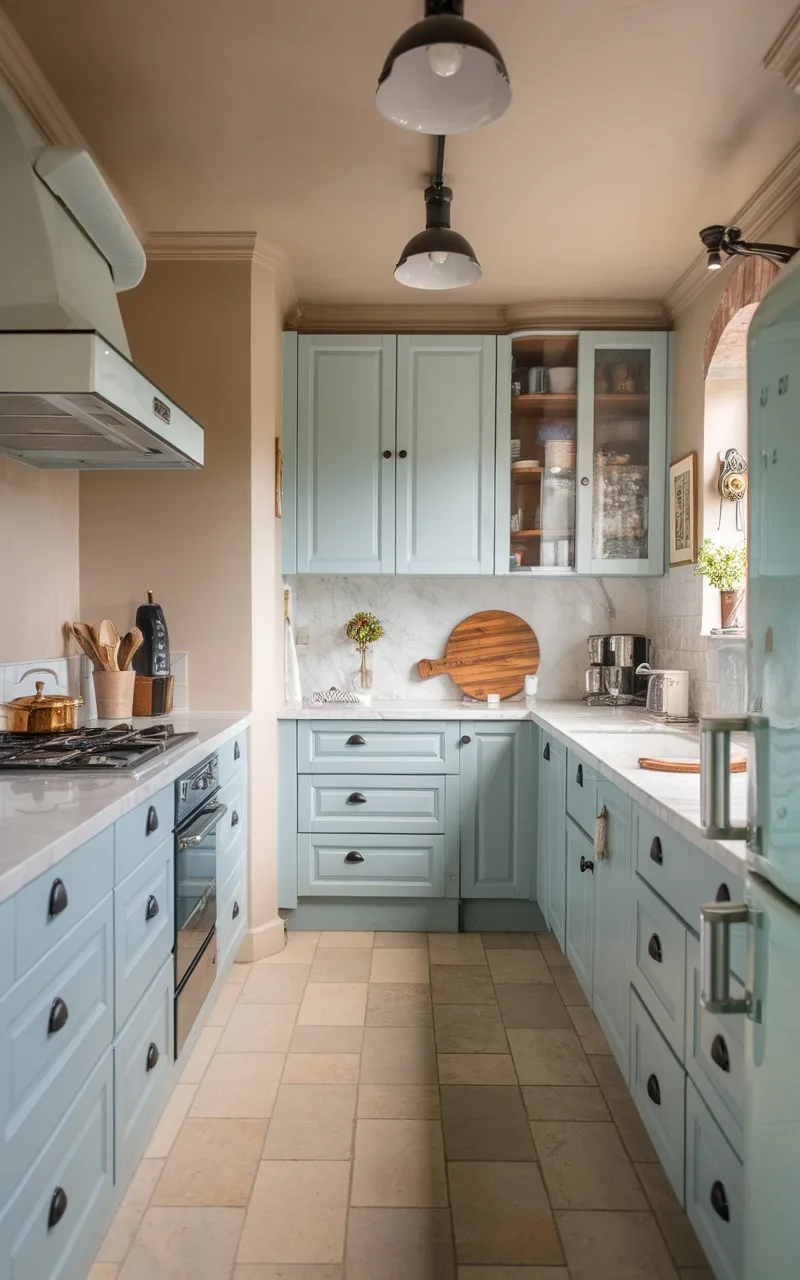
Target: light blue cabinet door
(580,905)
(556,783)
(345,426)
(496,791)
(542,812)
(445,453)
(612,875)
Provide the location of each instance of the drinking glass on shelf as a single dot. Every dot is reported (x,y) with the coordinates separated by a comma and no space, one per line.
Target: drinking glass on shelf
(613,682)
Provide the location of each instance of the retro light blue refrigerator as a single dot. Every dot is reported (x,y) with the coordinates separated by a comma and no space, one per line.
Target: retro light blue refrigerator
(771,1009)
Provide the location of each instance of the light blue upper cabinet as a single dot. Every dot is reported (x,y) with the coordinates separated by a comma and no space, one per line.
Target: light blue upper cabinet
(445,453)
(346,453)
(496,791)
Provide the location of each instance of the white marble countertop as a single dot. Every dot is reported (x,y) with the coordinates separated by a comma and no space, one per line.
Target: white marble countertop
(407,709)
(44,817)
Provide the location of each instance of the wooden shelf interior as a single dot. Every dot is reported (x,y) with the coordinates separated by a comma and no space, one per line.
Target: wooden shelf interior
(524,535)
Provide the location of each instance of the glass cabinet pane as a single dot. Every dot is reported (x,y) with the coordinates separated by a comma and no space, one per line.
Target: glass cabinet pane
(620,454)
(544,403)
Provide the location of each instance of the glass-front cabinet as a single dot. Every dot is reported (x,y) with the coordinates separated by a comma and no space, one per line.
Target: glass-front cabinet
(581,467)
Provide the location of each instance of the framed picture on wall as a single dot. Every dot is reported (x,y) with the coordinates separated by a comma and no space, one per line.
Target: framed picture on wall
(683,510)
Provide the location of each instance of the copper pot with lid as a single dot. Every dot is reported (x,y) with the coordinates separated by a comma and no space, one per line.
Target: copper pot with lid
(42,712)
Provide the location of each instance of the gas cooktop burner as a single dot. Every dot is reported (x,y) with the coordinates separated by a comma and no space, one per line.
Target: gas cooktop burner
(119,747)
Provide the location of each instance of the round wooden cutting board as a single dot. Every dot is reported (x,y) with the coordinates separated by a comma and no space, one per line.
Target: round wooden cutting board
(489,652)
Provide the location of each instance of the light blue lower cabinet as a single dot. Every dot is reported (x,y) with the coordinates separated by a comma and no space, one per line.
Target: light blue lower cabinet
(714,1189)
(658,1087)
(54,1224)
(143,927)
(580,905)
(141,830)
(552,832)
(496,810)
(373,803)
(6,945)
(232,915)
(370,746)
(658,962)
(143,1072)
(232,758)
(715,1053)
(371,866)
(612,875)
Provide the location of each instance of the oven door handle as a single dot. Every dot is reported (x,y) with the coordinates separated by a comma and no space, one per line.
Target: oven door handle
(208,820)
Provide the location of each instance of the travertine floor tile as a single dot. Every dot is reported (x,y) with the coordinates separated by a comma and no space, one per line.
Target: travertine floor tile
(297,1213)
(614,1246)
(513,1273)
(333,1004)
(675,1226)
(143,1183)
(341,964)
(239,974)
(485,1122)
(312,1122)
(103,1271)
(399,1164)
(201,1055)
(549,1057)
(623,1109)
(212,1162)
(259,1028)
(222,1009)
(299,949)
(275,984)
(287,1271)
(687,1273)
(184,1244)
(456,948)
(399,1004)
(239,1085)
(398,1102)
(121,1233)
(171,1120)
(392,940)
(501,1214)
(401,964)
(589,1030)
(399,1244)
(461,984)
(476,1068)
(327,1040)
(554,1102)
(569,988)
(331,938)
(585,1166)
(322,1068)
(469,1028)
(518,966)
(510,941)
(531,1004)
(552,952)
(398,1055)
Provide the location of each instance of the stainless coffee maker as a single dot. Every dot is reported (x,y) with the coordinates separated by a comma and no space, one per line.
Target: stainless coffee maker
(611,678)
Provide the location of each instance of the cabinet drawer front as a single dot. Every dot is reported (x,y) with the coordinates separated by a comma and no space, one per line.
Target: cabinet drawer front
(709,881)
(47,1050)
(233,796)
(714,1189)
(141,830)
(663,860)
(143,1070)
(78,1159)
(376,803)
(230,857)
(46,910)
(658,1085)
(715,1051)
(232,755)
(658,962)
(370,747)
(390,866)
(581,793)
(143,928)
(232,914)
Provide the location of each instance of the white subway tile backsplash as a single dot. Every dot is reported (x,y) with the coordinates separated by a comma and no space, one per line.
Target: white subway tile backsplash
(717,667)
(74,675)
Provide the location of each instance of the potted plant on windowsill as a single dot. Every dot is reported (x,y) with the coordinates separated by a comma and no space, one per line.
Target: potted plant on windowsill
(726,569)
(364,629)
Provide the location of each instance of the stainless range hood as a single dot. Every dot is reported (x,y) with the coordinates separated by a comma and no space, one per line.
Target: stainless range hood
(69,395)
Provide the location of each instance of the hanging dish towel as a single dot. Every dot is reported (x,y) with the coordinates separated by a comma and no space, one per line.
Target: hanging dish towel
(291,668)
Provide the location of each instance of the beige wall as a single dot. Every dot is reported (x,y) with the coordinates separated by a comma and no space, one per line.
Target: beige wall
(38,560)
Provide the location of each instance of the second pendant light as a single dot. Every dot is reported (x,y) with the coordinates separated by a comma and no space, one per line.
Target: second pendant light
(438,258)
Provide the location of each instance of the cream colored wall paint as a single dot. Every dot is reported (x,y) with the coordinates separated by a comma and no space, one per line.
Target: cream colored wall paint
(38,560)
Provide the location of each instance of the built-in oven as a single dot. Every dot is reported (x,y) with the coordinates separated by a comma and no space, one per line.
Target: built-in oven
(198,814)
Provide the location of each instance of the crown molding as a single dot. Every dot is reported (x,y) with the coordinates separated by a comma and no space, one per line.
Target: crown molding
(773,198)
(463,318)
(227,246)
(784,55)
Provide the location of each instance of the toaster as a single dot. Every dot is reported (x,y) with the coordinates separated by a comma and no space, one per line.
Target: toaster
(667,692)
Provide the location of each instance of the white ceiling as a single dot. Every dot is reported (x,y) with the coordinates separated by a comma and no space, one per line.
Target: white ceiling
(634,123)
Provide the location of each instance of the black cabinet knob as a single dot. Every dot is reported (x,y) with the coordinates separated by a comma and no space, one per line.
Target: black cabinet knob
(152,909)
(402,454)
(356,798)
(654,1090)
(584,480)
(355,740)
(546,752)
(719,1053)
(587,864)
(58,1016)
(236,752)
(235,911)
(58,898)
(723,893)
(466,739)
(579,775)
(387,453)
(354,856)
(152,821)
(234,819)
(152,1056)
(654,949)
(58,1207)
(719,1202)
(656,852)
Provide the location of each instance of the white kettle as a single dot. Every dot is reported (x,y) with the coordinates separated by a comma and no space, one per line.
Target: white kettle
(667,692)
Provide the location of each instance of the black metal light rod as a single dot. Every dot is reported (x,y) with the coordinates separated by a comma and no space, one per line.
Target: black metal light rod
(434,7)
(438,176)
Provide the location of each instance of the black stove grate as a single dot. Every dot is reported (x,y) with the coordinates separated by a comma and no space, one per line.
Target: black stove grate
(120,746)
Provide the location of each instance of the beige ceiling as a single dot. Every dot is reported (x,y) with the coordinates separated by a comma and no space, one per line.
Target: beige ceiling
(634,123)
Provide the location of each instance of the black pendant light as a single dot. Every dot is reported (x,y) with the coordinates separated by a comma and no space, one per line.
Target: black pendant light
(438,258)
(444,75)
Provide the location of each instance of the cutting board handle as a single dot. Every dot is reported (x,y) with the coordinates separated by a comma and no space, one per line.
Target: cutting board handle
(428,667)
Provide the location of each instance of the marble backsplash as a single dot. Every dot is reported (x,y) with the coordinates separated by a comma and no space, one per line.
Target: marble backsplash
(418,614)
(716,664)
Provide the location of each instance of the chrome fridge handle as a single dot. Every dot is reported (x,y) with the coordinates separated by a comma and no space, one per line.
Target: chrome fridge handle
(715,776)
(716,919)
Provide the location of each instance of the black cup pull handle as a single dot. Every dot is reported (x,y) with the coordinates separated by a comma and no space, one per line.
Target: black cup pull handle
(152,821)
(152,1056)
(387,453)
(58,1207)
(466,739)
(58,1016)
(719,1053)
(234,819)
(579,775)
(152,909)
(654,949)
(654,1090)
(587,864)
(723,893)
(403,453)
(656,852)
(356,798)
(546,752)
(355,740)
(719,1202)
(58,898)
(237,755)
(235,911)
(354,856)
